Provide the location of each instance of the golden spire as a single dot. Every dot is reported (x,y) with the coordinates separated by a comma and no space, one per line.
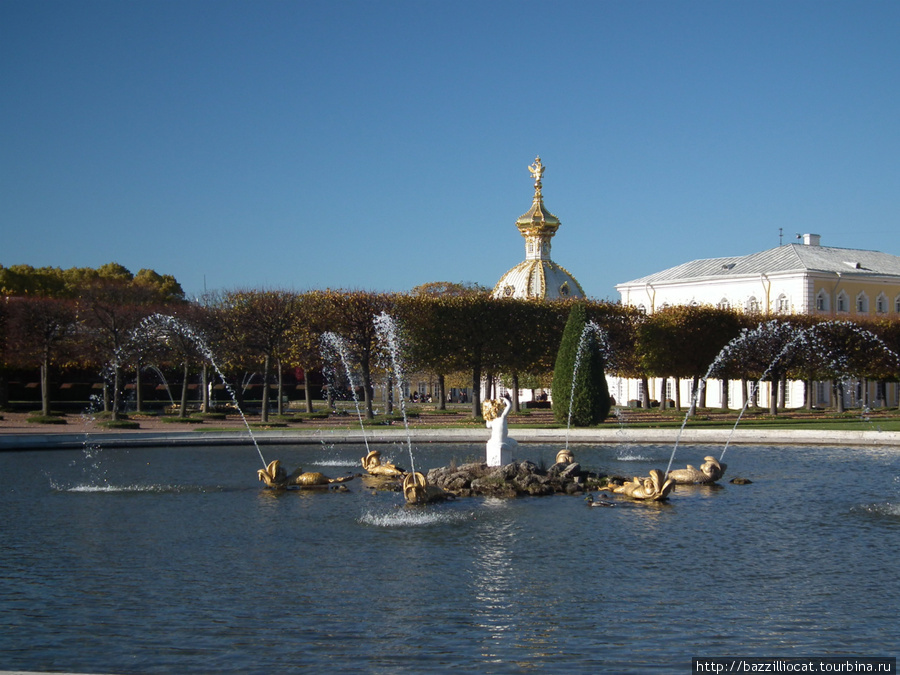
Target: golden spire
(537,170)
(538,222)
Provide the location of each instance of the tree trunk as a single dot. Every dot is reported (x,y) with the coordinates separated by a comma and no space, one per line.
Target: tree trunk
(442,393)
(744,397)
(645,393)
(45,386)
(267,364)
(515,388)
(663,399)
(238,392)
(204,384)
(808,394)
(117,370)
(138,393)
(4,390)
(695,386)
(307,392)
(839,396)
(476,391)
(280,387)
(390,395)
(677,382)
(773,393)
(182,406)
(367,396)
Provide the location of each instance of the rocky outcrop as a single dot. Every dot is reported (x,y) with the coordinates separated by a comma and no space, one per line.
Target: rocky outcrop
(513,480)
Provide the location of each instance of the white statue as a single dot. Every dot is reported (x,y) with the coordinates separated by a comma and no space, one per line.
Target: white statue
(500,446)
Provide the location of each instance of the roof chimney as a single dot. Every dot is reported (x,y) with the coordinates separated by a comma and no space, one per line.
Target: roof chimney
(812,240)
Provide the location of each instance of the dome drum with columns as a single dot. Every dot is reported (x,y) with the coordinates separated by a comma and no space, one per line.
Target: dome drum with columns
(538,277)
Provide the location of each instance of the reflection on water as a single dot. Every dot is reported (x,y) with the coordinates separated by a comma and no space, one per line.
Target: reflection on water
(175,560)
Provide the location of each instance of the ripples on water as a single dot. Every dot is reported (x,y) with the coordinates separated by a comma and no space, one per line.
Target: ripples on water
(175,560)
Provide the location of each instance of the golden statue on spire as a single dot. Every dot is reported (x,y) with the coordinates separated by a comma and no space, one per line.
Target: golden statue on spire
(537,170)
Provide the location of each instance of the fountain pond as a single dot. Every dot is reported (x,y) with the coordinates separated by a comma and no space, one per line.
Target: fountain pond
(175,559)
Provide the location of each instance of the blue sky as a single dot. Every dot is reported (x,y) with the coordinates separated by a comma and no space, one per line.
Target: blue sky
(381,145)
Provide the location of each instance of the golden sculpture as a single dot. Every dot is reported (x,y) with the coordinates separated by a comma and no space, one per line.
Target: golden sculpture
(374,466)
(416,490)
(274,476)
(537,170)
(654,488)
(491,409)
(565,456)
(709,472)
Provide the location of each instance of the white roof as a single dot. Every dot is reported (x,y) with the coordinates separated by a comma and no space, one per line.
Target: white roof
(783,259)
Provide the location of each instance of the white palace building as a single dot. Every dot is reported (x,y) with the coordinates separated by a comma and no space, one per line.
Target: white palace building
(807,278)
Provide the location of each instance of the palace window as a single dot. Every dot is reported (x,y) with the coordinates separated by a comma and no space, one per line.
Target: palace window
(897,304)
(881,304)
(782,304)
(862,303)
(724,304)
(753,305)
(822,304)
(843,302)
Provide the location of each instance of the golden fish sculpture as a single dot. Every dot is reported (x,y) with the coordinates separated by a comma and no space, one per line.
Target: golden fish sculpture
(275,477)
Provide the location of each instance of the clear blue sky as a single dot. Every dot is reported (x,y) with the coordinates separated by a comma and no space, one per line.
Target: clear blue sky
(381,145)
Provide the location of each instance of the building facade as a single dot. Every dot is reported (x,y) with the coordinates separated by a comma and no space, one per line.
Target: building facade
(806,278)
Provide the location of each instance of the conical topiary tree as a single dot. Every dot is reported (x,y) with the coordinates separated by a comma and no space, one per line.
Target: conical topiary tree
(590,403)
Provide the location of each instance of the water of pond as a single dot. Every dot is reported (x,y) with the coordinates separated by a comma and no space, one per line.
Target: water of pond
(175,560)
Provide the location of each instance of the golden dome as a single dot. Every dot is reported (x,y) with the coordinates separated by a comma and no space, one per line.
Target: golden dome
(538,277)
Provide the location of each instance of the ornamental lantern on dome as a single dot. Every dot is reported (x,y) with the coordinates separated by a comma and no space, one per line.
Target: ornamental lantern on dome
(538,277)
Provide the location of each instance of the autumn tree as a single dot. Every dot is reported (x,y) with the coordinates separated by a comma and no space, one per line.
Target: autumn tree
(40,327)
(304,348)
(351,315)
(260,324)
(6,354)
(684,341)
(844,349)
(53,282)
(530,334)
(110,311)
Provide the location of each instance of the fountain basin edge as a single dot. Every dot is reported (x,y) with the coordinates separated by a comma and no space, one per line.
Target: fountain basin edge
(806,437)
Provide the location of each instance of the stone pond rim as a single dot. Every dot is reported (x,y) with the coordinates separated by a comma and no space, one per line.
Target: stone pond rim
(35,439)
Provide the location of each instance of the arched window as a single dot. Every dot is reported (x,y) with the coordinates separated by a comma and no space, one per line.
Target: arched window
(897,304)
(843,302)
(753,305)
(641,309)
(724,304)
(822,301)
(782,304)
(862,303)
(881,304)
